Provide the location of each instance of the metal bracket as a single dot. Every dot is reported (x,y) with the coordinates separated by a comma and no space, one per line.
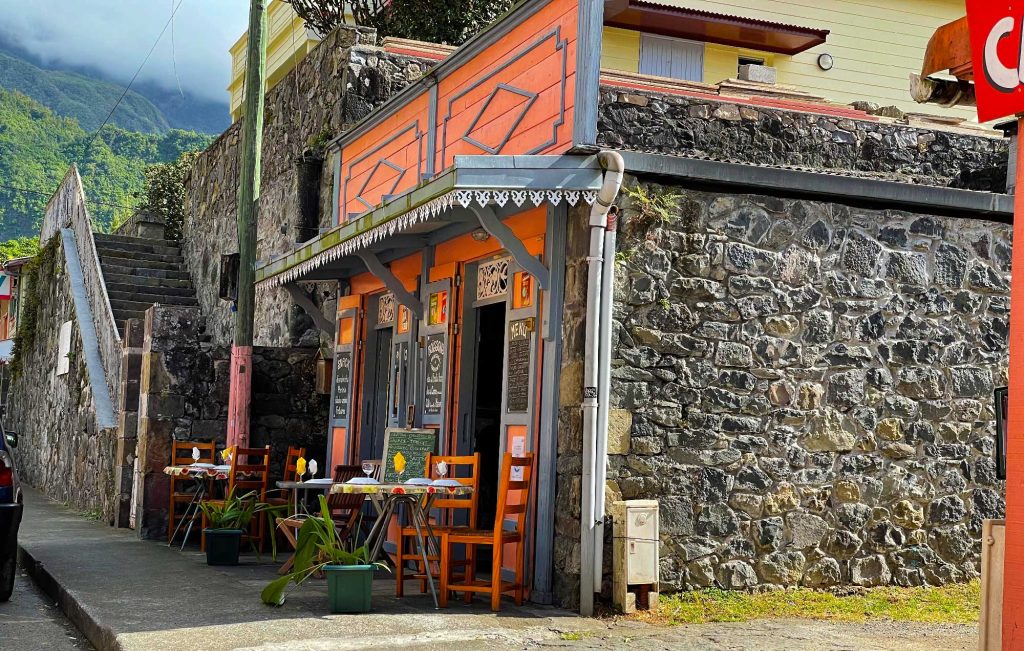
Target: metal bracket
(395,286)
(309,307)
(489,222)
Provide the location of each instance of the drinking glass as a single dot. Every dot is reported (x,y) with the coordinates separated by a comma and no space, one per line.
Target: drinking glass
(367,468)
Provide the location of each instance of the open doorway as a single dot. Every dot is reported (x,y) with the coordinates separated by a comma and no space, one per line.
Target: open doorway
(490,359)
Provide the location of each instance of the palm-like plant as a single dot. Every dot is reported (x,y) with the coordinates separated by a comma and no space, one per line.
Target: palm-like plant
(233,512)
(318,546)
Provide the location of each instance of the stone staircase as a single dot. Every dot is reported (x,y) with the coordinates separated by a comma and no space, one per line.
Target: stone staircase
(141,272)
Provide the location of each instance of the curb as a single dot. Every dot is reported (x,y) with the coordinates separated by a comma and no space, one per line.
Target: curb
(100,636)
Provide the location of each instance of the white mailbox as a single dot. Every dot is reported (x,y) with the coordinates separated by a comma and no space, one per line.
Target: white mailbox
(635,548)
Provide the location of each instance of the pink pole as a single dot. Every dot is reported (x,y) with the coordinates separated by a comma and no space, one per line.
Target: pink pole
(240,396)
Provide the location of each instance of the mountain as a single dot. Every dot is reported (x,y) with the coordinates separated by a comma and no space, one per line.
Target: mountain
(37,146)
(86,96)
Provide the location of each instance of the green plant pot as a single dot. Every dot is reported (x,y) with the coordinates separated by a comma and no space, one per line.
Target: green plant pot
(349,588)
(222,546)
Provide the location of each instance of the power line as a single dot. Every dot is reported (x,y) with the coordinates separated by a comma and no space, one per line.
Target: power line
(170,20)
(50,194)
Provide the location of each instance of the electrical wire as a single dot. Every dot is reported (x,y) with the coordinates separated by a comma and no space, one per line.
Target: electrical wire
(174,57)
(50,194)
(88,145)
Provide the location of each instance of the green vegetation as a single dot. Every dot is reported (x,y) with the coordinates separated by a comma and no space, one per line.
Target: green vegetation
(19,247)
(951,604)
(41,266)
(37,147)
(164,195)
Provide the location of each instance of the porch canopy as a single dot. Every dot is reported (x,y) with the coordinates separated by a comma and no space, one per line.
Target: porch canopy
(668,18)
(477,192)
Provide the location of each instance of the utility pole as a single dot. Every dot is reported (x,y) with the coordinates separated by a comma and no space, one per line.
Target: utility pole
(240,397)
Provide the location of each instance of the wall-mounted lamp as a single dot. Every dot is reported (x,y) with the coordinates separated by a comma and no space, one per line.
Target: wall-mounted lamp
(480,235)
(825,61)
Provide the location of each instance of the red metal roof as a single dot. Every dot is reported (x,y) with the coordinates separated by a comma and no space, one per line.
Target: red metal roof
(670,20)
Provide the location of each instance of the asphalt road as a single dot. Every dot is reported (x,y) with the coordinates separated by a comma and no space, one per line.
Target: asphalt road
(31,621)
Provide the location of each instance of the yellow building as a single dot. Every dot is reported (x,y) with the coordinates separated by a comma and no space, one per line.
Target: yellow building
(289,41)
(870,49)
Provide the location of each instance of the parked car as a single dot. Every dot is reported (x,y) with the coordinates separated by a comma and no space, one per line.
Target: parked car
(10,512)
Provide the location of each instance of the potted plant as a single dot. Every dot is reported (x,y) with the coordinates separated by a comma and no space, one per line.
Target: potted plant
(227,520)
(319,549)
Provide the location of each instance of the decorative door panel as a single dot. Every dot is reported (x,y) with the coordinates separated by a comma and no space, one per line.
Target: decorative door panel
(435,355)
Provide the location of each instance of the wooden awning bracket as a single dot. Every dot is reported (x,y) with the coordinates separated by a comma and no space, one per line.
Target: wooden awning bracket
(489,222)
(394,285)
(303,300)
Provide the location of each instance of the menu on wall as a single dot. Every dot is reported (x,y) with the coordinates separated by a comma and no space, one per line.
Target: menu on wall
(342,382)
(433,397)
(518,382)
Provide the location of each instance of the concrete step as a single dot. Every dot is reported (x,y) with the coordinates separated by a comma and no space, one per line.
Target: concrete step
(142,246)
(120,316)
(169,272)
(133,262)
(135,296)
(124,306)
(125,239)
(115,280)
(135,288)
(140,256)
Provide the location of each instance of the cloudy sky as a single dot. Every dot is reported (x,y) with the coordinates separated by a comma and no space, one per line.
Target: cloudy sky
(114,36)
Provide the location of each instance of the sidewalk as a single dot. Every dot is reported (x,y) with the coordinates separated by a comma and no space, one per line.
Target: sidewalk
(124,593)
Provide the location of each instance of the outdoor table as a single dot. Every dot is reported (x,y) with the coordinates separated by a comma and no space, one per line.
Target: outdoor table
(386,498)
(201,475)
(295,486)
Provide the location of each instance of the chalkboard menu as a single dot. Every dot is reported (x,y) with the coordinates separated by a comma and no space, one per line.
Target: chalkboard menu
(433,397)
(342,383)
(415,445)
(518,381)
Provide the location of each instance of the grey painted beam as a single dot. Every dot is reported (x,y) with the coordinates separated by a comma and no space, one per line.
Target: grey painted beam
(105,417)
(395,286)
(309,307)
(489,222)
(827,187)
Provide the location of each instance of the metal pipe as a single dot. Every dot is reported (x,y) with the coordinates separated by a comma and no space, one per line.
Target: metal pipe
(598,222)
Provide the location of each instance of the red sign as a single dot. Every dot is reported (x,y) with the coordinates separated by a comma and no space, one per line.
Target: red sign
(996,32)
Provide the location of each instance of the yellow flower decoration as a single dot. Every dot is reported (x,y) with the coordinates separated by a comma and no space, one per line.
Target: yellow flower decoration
(399,462)
(226,454)
(300,466)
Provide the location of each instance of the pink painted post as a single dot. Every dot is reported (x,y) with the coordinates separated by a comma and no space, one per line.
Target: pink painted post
(240,396)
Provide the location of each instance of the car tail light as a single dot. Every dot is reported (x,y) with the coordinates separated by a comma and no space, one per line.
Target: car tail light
(6,472)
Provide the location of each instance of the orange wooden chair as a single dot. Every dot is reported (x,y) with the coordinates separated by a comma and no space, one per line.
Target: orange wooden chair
(283,496)
(466,470)
(513,502)
(250,472)
(181,455)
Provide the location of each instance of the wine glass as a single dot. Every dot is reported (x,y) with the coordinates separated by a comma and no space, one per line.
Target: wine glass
(368,468)
(312,468)
(442,469)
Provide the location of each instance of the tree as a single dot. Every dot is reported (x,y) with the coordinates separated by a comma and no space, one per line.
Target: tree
(451,22)
(19,247)
(165,192)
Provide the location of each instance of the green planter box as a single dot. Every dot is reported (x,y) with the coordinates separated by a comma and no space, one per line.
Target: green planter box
(349,588)
(222,546)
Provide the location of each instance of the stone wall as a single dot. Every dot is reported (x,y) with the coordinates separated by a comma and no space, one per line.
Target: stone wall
(806,388)
(675,124)
(337,84)
(184,396)
(62,450)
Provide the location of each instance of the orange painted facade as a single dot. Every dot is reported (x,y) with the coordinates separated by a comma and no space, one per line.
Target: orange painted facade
(516,96)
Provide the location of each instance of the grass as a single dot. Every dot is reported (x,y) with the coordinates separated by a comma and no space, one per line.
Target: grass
(952,604)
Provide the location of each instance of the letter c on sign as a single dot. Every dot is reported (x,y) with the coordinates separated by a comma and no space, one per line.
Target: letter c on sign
(1002,78)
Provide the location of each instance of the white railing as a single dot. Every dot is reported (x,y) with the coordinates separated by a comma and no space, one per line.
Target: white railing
(67,209)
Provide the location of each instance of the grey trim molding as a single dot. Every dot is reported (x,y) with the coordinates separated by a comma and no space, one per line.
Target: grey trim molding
(827,187)
(589,37)
(508,240)
(394,285)
(105,417)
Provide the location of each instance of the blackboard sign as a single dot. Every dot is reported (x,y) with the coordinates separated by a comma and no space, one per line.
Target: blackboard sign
(342,383)
(433,397)
(518,381)
(415,445)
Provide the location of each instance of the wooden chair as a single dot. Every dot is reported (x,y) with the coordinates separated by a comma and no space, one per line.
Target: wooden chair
(181,455)
(466,470)
(344,511)
(284,495)
(510,489)
(250,472)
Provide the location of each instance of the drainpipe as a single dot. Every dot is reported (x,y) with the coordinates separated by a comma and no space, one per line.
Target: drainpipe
(594,438)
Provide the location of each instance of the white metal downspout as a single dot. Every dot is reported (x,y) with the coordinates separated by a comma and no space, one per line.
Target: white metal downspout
(592,445)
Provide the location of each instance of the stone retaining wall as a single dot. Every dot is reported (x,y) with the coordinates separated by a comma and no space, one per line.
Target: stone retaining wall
(337,84)
(676,124)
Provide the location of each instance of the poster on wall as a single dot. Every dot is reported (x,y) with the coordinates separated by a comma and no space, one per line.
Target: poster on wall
(342,383)
(518,369)
(434,385)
